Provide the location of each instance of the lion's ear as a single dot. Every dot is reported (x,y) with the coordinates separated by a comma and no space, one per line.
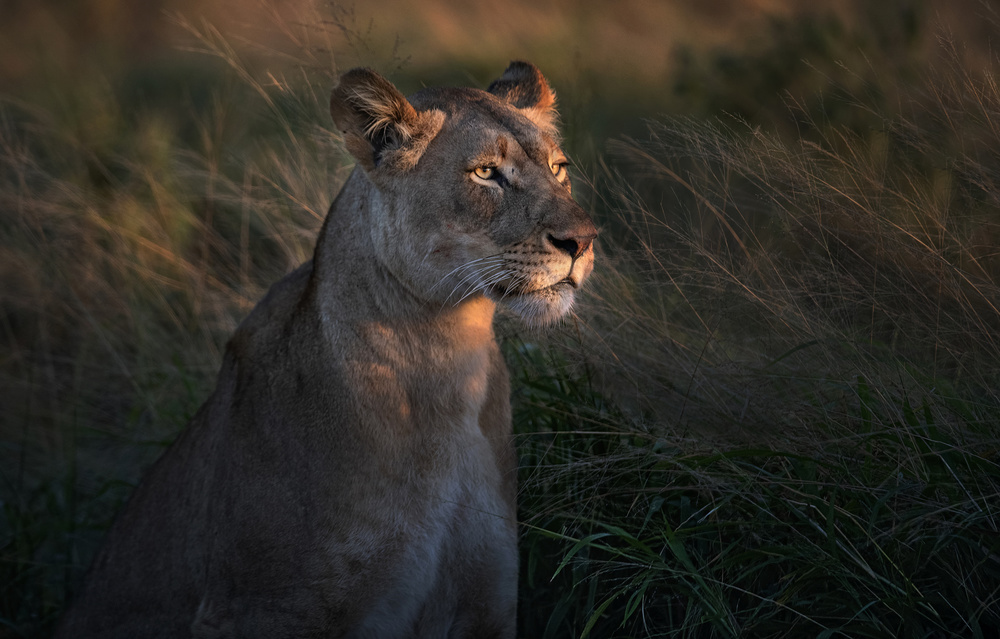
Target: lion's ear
(524,87)
(378,123)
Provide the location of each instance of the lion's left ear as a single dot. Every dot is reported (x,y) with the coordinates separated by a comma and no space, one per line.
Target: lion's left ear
(524,87)
(381,128)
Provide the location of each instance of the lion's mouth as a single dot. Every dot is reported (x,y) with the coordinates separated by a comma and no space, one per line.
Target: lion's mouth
(555,287)
(538,306)
(568,281)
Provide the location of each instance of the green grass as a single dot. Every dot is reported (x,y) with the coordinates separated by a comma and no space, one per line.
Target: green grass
(778,413)
(879,528)
(774,413)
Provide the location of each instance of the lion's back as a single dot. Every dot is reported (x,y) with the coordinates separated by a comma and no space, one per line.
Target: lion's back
(151,572)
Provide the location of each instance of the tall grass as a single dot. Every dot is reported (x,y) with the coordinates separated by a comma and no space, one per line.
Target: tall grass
(774,413)
(139,226)
(779,413)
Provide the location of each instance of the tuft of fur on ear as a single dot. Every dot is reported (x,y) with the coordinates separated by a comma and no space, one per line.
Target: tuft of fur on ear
(524,87)
(378,123)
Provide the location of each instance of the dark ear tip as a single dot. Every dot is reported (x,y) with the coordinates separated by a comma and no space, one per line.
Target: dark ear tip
(524,86)
(521,65)
(520,70)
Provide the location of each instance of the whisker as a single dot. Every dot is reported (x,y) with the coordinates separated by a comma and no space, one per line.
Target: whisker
(485,284)
(461,267)
(479,273)
(497,277)
(517,280)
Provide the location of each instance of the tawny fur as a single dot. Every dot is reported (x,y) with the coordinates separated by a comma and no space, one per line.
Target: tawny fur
(353,474)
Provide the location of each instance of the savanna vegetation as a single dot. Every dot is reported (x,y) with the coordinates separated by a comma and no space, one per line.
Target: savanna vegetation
(774,413)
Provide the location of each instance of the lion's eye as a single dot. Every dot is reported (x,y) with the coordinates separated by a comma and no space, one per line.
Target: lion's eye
(559,169)
(485,172)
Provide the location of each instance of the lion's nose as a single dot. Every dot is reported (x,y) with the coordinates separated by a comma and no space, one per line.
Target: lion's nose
(575,242)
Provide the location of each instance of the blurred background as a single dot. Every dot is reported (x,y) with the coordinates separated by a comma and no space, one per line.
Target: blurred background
(616,64)
(775,410)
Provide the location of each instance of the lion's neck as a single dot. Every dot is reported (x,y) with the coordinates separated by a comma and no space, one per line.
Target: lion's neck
(366,293)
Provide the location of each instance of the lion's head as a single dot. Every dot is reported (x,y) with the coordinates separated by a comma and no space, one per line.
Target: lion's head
(471,190)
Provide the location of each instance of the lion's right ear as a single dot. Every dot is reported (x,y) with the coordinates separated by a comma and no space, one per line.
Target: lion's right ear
(381,128)
(524,87)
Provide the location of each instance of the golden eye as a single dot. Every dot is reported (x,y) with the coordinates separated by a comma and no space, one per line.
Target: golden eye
(485,172)
(559,169)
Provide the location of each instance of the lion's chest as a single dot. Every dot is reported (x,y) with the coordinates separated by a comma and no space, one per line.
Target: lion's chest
(435,525)
(458,536)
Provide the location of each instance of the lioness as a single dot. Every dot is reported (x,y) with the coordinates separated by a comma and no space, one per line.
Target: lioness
(353,473)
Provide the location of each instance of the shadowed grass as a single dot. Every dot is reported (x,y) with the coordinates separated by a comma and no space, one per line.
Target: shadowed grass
(777,414)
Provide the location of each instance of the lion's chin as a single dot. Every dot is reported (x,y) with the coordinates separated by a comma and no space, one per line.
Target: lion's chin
(541,307)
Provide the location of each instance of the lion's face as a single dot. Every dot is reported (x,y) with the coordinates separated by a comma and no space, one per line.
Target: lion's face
(476,199)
